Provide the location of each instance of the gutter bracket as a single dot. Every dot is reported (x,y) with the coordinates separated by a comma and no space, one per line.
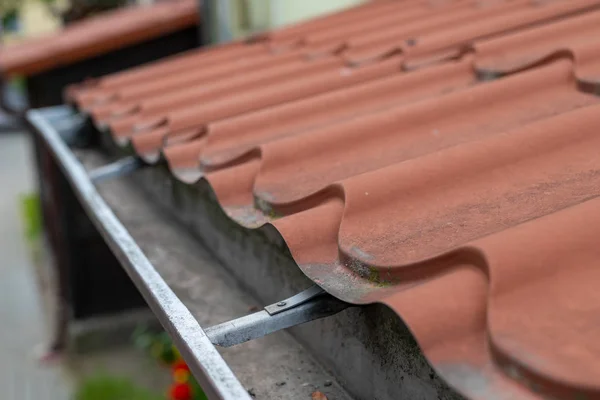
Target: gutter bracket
(121,167)
(308,305)
(296,300)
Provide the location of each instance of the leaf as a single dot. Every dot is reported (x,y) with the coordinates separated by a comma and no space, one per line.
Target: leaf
(318,396)
(104,387)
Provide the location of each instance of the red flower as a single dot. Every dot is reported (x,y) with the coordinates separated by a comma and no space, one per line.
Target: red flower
(180,364)
(181,391)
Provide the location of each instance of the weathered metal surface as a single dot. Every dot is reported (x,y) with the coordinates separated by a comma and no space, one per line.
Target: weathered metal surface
(304,296)
(207,365)
(116,169)
(292,312)
(212,296)
(359,339)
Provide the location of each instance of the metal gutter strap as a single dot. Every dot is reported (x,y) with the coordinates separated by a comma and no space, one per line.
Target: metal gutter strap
(116,169)
(207,365)
(308,305)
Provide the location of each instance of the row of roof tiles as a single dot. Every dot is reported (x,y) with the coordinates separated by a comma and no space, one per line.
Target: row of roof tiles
(97,35)
(451,174)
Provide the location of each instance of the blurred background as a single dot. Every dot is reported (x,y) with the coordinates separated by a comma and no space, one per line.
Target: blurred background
(231,18)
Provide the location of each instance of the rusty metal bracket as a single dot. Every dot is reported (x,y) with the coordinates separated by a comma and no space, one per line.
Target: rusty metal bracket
(308,305)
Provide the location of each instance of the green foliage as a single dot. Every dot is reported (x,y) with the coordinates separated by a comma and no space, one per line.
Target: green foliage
(197,390)
(9,10)
(104,387)
(160,346)
(31,215)
(19,83)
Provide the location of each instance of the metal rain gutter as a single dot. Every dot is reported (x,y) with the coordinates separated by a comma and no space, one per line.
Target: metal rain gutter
(60,126)
(207,365)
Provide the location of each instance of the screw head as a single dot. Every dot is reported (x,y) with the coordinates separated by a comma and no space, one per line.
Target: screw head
(281,304)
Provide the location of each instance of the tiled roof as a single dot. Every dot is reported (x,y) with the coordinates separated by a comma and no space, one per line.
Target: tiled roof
(97,35)
(440,157)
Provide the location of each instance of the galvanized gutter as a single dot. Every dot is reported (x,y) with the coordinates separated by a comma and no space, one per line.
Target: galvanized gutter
(206,364)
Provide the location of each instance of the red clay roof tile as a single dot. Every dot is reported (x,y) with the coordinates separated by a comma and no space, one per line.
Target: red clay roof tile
(462,193)
(184,92)
(307,83)
(261,54)
(519,50)
(91,37)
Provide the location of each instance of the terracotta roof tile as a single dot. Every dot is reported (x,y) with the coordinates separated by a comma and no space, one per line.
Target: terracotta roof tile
(180,91)
(91,37)
(307,83)
(262,53)
(519,50)
(462,193)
